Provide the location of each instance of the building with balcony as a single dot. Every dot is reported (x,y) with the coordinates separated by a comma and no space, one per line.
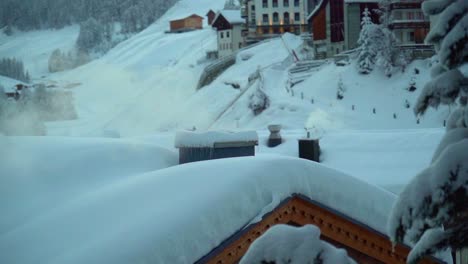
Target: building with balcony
(327,28)
(269,18)
(408,22)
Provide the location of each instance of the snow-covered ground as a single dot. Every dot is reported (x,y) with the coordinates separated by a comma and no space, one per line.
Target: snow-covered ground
(65,198)
(147,84)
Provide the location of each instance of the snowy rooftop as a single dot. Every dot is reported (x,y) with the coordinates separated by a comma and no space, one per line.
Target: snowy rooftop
(9,84)
(173,215)
(210,138)
(232,16)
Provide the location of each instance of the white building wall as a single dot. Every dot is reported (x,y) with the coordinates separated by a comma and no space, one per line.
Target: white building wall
(280,9)
(225,43)
(229,41)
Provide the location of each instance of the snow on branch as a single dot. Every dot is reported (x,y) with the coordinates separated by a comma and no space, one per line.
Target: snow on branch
(444,89)
(437,197)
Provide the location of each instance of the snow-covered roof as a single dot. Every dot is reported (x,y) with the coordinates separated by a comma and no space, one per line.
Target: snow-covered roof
(9,84)
(211,138)
(185,16)
(322,3)
(232,16)
(183,212)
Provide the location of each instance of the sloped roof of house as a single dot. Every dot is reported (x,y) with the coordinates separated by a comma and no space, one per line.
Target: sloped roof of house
(232,16)
(210,138)
(9,84)
(317,8)
(180,214)
(187,16)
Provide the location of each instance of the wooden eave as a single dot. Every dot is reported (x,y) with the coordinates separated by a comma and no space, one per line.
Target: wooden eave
(322,4)
(409,24)
(298,210)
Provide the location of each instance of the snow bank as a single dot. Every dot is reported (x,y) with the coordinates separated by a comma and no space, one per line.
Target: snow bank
(179,214)
(210,138)
(295,245)
(38,175)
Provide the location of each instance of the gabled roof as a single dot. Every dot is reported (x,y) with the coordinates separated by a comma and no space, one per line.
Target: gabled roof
(210,11)
(314,12)
(361,241)
(233,17)
(182,18)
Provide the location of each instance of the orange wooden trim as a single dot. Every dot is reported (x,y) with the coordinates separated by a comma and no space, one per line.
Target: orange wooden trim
(333,227)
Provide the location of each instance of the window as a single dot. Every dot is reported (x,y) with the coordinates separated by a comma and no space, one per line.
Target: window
(286,18)
(265,3)
(227,34)
(296,2)
(420,15)
(265,18)
(286,3)
(297,16)
(222,34)
(275,3)
(410,15)
(252,8)
(411,36)
(240,45)
(275,17)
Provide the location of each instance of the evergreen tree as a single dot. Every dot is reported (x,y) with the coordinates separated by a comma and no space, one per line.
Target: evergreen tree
(13,68)
(432,210)
(91,35)
(367,53)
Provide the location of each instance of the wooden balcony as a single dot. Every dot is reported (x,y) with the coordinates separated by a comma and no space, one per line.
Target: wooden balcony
(409,24)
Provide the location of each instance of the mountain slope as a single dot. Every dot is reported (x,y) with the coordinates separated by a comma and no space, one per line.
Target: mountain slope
(148,84)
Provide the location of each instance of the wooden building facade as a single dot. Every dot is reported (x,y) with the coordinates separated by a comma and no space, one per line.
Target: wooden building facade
(327,28)
(210,16)
(192,22)
(363,244)
(408,22)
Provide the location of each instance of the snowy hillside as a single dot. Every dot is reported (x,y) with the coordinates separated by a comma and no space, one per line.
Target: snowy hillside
(35,47)
(147,84)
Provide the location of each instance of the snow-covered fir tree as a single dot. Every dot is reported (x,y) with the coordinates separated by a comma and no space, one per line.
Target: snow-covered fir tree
(283,244)
(432,211)
(91,35)
(368,52)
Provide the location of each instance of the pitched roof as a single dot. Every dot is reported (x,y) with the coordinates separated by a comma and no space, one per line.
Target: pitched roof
(232,16)
(187,16)
(317,8)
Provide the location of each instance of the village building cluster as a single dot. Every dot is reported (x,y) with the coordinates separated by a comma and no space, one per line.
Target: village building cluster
(332,25)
